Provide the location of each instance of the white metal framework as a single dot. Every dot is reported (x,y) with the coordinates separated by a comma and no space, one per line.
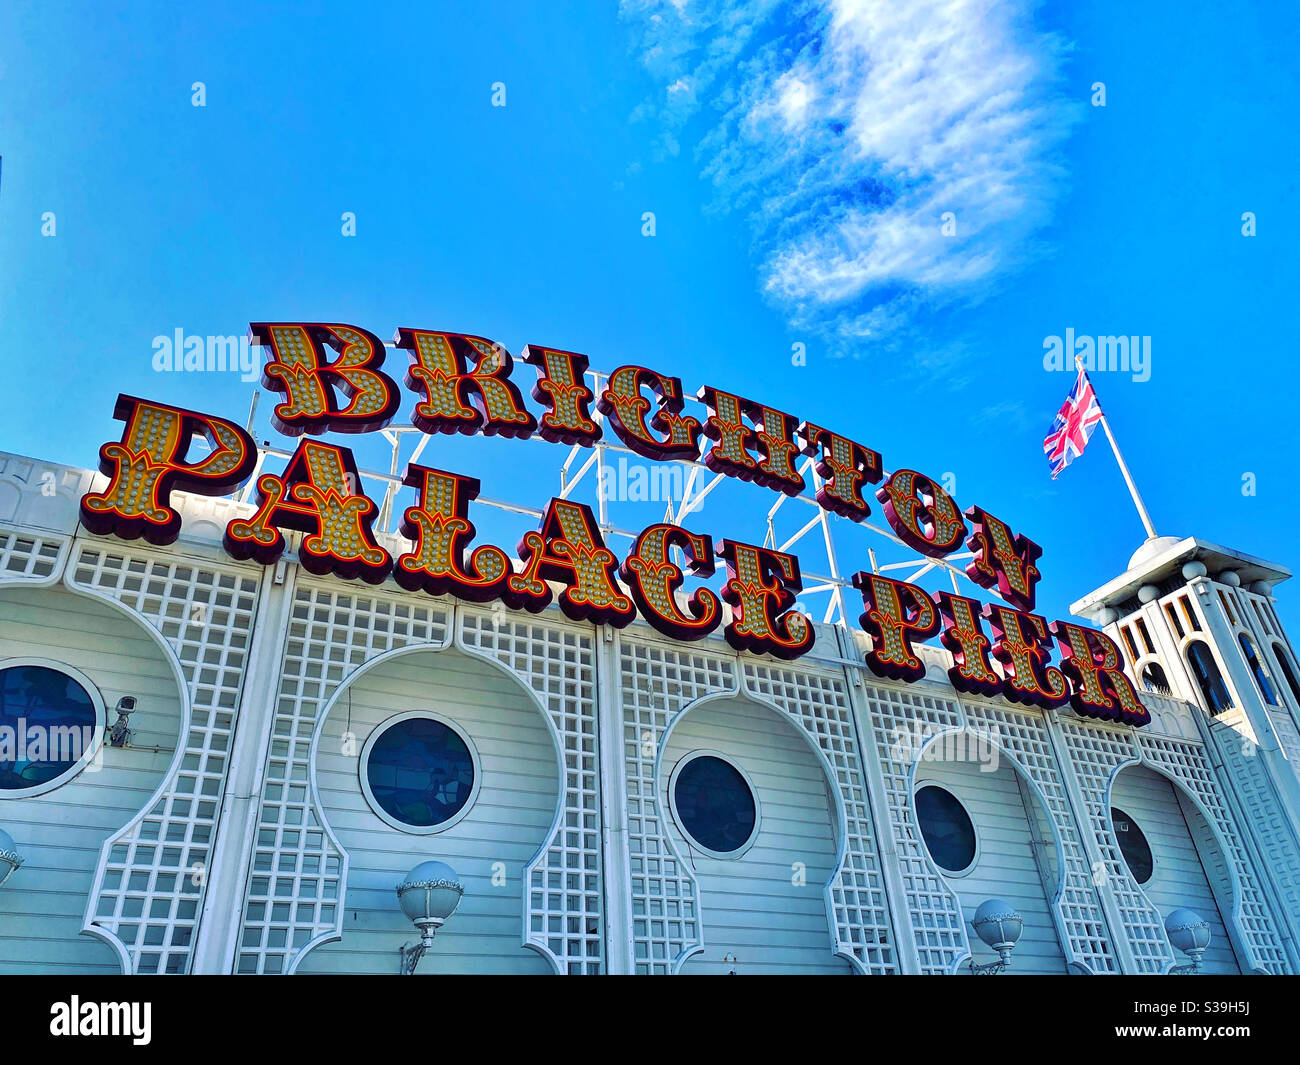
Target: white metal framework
(700,482)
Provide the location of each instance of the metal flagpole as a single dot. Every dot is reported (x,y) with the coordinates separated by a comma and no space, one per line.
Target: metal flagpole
(1123,466)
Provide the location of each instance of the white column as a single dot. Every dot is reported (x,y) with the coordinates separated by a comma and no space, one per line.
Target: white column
(909,961)
(216,943)
(615,860)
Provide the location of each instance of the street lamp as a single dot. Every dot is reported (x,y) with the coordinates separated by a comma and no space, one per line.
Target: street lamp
(10,859)
(999,925)
(1190,933)
(428,896)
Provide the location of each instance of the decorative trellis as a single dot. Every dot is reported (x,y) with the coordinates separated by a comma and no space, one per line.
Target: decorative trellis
(1268,819)
(819,704)
(35,558)
(1186,762)
(1096,754)
(152,874)
(1024,735)
(656,683)
(295,883)
(938,928)
(563,907)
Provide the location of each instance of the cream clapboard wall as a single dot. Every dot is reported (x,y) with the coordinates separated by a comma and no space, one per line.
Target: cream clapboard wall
(1179,878)
(749,906)
(507,822)
(61,832)
(1005,865)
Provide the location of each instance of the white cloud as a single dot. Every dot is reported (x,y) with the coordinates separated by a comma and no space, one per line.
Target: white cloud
(847,129)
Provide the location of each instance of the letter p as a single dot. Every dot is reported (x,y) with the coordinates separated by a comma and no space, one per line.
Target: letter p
(152,460)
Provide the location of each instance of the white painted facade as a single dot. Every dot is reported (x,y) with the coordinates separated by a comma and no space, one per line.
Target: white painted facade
(233,834)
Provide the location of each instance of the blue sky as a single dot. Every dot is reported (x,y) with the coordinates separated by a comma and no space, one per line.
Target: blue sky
(797,159)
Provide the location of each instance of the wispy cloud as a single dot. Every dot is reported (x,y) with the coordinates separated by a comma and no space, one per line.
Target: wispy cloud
(847,129)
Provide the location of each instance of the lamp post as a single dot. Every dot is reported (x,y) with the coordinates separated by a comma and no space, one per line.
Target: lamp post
(1190,933)
(428,896)
(999,925)
(10,859)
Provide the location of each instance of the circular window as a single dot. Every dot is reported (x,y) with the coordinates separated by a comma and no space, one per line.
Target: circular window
(50,726)
(419,772)
(946,827)
(1133,845)
(714,804)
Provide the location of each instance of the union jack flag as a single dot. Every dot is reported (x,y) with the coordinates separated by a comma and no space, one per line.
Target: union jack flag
(1073,426)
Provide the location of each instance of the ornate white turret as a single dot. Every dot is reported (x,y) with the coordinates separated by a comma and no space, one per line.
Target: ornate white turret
(1196,621)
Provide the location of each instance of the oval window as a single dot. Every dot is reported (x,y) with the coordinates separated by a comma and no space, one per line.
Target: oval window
(714,805)
(1133,845)
(49,727)
(419,773)
(946,827)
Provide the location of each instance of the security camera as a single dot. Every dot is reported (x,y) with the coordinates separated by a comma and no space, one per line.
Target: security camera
(119,735)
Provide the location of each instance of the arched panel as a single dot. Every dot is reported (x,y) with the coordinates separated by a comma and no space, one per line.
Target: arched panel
(63,829)
(506,821)
(765,905)
(1179,877)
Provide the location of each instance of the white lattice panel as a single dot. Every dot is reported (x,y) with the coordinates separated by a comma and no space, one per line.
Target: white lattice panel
(563,905)
(1024,735)
(1095,755)
(295,881)
(154,874)
(938,928)
(656,683)
(1268,819)
(1186,762)
(819,704)
(34,558)
(1288,736)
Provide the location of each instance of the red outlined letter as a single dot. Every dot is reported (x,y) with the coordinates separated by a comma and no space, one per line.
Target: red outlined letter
(964,637)
(458,399)
(298,366)
(149,463)
(1022,645)
(625,407)
(317,495)
(843,466)
(440,531)
(735,440)
(652,579)
(1002,560)
(561,386)
(921,513)
(569,549)
(1098,685)
(761,587)
(896,613)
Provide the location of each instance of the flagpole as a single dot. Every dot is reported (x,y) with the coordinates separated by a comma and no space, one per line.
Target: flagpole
(1123,466)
